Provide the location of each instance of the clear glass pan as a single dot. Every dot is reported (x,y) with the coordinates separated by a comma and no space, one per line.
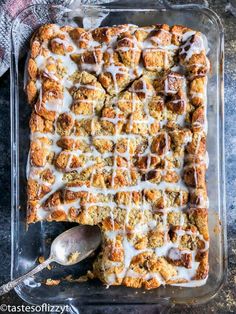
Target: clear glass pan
(29,243)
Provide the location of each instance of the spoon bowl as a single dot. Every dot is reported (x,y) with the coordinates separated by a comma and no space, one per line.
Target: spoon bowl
(75,244)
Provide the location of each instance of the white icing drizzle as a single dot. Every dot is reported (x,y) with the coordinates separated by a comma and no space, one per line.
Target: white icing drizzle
(190,48)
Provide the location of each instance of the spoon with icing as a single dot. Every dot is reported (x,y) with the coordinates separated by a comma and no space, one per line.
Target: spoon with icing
(69,248)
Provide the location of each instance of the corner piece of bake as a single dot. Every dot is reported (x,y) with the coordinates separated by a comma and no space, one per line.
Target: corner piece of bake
(118,140)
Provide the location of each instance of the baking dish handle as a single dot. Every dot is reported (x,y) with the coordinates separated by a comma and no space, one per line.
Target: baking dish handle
(157,4)
(185,4)
(163,306)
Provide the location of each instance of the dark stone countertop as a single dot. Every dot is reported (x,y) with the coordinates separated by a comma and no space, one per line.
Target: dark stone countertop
(225,301)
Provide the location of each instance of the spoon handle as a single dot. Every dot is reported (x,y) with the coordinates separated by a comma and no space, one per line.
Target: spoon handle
(12,284)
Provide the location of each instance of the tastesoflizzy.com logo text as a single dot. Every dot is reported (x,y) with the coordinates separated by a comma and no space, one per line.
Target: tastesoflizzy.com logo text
(34,308)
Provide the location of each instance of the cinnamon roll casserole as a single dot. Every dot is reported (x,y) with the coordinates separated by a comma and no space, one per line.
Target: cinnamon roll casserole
(118,140)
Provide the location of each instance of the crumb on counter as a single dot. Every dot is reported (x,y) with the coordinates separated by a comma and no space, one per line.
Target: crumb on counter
(52,282)
(82,278)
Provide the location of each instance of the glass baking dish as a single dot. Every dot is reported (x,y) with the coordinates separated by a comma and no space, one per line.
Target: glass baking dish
(28,243)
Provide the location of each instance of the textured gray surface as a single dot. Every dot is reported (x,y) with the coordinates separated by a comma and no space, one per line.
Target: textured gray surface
(225,301)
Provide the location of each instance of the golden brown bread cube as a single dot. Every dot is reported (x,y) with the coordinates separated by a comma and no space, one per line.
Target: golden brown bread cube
(161,35)
(54,200)
(83,127)
(177,33)
(173,218)
(39,124)
(198,197)
(203,268)
(114,78)
(80,37)
(180,258)
(52,92)
(161,144)
(43,112)
(166,269)
(197,91)
(177,104)
(39,151)
(105,34)
(198,65)
(143,88)
(194,176)
(198,144)
(90,61)
(141,33)
(128,49)
(65,123)
(154,176)
(67,161)
(57,215)
(156,60)
(47,31)
(198,118)
(36,191)
(47,176)
(32,69)
(60,47)
(170,176)
(155,238)
(199,217)
(170,84)
(86,88)
(128,102)
(32,91)
(156,107)
(193,55)
(103,145)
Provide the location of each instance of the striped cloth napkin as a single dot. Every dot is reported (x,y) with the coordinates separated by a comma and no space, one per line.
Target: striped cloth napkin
(9,10)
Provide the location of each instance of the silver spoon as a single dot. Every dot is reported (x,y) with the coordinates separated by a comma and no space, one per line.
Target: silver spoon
(69,248)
